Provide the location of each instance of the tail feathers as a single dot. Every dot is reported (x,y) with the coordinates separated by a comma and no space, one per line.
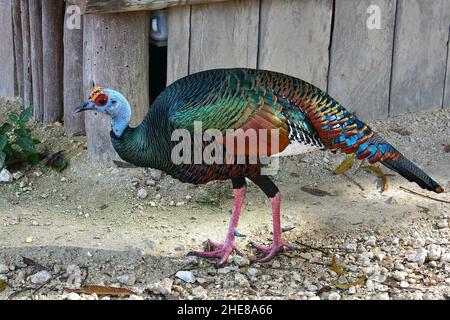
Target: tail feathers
(395,161)
(410,171)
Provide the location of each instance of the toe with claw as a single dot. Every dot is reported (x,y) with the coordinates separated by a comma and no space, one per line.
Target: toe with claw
(219,250)
(272,250)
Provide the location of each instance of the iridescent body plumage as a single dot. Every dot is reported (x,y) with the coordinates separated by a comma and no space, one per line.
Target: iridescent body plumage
(304,117)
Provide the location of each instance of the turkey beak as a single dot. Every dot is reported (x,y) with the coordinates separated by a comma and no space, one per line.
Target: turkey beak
(87,105)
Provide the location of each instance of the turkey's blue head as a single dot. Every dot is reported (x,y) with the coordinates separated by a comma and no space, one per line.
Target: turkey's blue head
(111,102)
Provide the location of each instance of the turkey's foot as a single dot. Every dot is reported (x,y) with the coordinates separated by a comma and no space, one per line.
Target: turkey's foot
(272,250)
(219,250)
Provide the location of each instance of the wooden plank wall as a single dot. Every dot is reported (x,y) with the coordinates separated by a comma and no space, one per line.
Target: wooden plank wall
(396,69)
(224,35)
(361,58)
(295,36)
(7,75)
(420,55)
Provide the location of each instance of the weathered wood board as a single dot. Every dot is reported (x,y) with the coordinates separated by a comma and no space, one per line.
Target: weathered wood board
(73,92)
(36,59)
(295,36)
(18,48)
(109,6)
(7,76)
(446,102)
(361,57)
(53,55)
(115,56)
(26,45)
(420,54)
(224,35)
(178,43)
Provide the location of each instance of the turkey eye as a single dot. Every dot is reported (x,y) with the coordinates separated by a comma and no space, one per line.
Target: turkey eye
(101,100)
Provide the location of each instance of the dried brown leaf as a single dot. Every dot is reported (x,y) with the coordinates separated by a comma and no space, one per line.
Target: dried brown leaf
(380,174)
(345,286)
(104,291)
(345,165)
(2,285)
(336,267)
(316,192)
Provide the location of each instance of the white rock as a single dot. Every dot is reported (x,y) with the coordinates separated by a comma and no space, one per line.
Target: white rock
(155,174)
(3,269)
(241,280)
(352,290)
(73,296)
(142,193)
(369,285)
(395,241)
(163,287)
(404,284)
(226,269)
(445,257)
(17,175)
(380,296)
(252,272)
(135,297)
(419,257)
(372,241)
(5,176)
(334,296)
(127,279)
(442,224)
(199,293)
(399,275)
(241,261)
(434,252)
(41,277)
(351,247)
(186,276)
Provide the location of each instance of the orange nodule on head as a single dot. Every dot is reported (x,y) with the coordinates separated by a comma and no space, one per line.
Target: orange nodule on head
(98,96)
(439,189)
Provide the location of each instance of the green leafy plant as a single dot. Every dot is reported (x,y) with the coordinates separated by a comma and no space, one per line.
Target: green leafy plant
(16,143)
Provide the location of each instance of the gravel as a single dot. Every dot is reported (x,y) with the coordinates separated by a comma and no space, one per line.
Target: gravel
(3,269)
(163,287)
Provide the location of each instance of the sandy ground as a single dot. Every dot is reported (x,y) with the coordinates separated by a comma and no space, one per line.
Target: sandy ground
(91,217)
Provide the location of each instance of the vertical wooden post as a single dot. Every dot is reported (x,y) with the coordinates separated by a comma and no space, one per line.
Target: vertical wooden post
(73,71)
(27,84)
(52,47)
(36,59)
(116,55)
(18,47)
(179,20)
(7,77)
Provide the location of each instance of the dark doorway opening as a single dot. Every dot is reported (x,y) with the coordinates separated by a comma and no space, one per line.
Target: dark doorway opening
(158,70)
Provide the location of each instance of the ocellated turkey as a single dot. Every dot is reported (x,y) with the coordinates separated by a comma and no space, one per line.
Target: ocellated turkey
(306,118)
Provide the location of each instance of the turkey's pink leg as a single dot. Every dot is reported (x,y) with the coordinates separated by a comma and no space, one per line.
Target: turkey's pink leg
(224,250)
(278,243)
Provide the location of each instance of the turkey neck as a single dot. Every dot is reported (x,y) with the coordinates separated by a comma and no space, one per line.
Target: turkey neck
(147,145)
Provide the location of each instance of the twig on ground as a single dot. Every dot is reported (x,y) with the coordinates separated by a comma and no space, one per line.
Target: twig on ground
(423,195)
